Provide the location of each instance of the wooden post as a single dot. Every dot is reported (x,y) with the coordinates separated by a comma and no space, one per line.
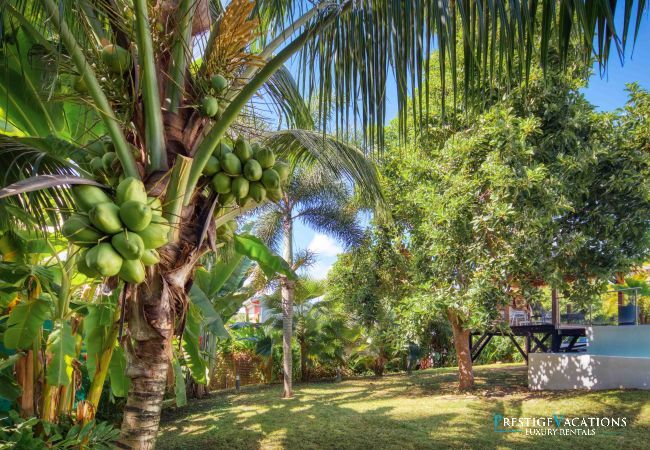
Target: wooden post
(555,309)
(620,279)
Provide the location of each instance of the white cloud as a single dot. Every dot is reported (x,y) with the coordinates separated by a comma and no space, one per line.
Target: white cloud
(320,270)
(324,246)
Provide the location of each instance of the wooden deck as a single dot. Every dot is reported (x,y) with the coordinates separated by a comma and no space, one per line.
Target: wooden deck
(539,337)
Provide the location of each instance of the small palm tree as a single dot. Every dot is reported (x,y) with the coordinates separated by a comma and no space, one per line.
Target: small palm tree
(319,196)
(306,314)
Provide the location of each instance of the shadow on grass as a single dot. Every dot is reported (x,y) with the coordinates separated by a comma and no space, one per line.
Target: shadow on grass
(423,410)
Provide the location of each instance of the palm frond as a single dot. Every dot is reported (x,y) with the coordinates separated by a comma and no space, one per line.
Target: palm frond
(336,157)
(268,226)
(25,157)
(349,64)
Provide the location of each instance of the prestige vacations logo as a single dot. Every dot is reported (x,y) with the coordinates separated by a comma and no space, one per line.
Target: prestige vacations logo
(558,425)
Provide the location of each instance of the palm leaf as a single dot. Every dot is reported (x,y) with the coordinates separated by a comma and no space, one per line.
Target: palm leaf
(307,148)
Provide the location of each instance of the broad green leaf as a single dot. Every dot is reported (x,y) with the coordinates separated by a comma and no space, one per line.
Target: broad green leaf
(193,357)
(61,349)
(228,305)
(24,323)
(9,389)
(212,321)
(10,361)
(179,384)
(211,282)
(117,372)
(256,250)
(97,325)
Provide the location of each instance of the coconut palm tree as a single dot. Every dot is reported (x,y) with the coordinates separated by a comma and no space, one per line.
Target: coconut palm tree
(136,82)
(304,312)
(322,201)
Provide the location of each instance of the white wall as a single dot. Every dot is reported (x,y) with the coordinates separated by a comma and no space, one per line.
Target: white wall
(617,357)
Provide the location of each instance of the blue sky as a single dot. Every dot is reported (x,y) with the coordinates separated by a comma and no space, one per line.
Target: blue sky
(607,93)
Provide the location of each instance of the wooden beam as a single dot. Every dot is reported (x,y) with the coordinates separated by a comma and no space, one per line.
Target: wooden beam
(555,308)
(539,343)
(514,341)
(480,348)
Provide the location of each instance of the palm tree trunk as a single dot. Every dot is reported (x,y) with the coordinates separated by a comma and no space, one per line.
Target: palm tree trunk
(463,354)
(151,326)
(288,291)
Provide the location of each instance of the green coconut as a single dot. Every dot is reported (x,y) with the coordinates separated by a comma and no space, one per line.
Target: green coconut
(106,217)
(219,82)
(243,150)
(128,244)
(240,187)
(257,191)
(104,260)
(83,268)
(246,202)
(130,189)
(155,235)
(283,169)
(87,196)
(135,215)
(77,229)
(79,85)
(275,195)
(132,271)
(226,199)
(231,164)
(116,58)
(209,106)
(252,170)
(96,164)
(271,179)
(255,147)
(155,205)
(222,183)
(108,159)
(222,150)
(265,157)
(150,258)
(211,167)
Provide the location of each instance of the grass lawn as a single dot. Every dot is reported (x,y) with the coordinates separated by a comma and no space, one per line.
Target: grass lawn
(423,410)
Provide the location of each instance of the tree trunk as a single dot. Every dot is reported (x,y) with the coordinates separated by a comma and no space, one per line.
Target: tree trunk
(151,327)
(463,354)
(288,291)
(25,378)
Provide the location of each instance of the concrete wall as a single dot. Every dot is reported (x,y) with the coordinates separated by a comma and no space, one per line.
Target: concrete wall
(566,371)
(617,357)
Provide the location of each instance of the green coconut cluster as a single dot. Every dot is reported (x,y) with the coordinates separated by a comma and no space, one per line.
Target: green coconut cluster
(210,106)
(102,160)
(118,237)
(115,58)
(246,174)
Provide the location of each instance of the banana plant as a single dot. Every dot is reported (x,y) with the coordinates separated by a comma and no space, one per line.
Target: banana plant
(134,67)
(47,314)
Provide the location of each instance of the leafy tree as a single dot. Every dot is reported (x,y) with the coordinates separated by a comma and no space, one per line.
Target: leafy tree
(516,199)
